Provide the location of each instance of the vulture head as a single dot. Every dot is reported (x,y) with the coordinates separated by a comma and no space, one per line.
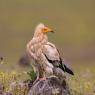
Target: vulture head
(42,29)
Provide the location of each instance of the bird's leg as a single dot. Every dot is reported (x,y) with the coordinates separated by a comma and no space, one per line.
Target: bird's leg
(37,79)
(43,77)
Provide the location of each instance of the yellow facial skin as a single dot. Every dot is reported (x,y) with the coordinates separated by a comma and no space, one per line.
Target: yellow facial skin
(46,30)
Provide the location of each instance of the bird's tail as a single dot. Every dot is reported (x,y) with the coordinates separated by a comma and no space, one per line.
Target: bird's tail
(64,66)
(68,70)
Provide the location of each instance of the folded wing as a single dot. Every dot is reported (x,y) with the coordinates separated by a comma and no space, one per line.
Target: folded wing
(52,55)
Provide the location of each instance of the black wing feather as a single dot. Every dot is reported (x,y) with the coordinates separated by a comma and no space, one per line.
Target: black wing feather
(60,64)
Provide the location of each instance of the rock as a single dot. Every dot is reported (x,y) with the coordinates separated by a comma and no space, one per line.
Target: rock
(24,61)
(50,86)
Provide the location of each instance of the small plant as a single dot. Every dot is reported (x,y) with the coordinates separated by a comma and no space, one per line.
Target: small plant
(31,74)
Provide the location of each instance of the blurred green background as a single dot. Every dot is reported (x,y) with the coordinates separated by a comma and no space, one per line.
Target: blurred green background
(72,20)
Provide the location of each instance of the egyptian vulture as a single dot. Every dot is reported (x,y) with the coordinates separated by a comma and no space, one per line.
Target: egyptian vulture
(45,54)
(35,47)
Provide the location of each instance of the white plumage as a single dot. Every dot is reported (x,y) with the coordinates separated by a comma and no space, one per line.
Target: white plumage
(35,47)
(45,54)
(53,58)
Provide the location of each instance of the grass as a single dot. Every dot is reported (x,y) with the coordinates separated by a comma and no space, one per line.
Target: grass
(82,83)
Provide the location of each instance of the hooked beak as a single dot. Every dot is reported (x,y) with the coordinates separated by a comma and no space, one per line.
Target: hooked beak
(46,30)
(52,31)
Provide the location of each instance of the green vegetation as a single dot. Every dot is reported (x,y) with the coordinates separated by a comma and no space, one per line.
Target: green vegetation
(82,83)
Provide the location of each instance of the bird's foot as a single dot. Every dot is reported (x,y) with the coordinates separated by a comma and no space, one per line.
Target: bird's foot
(44,78)
(35,81)
(39,79)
